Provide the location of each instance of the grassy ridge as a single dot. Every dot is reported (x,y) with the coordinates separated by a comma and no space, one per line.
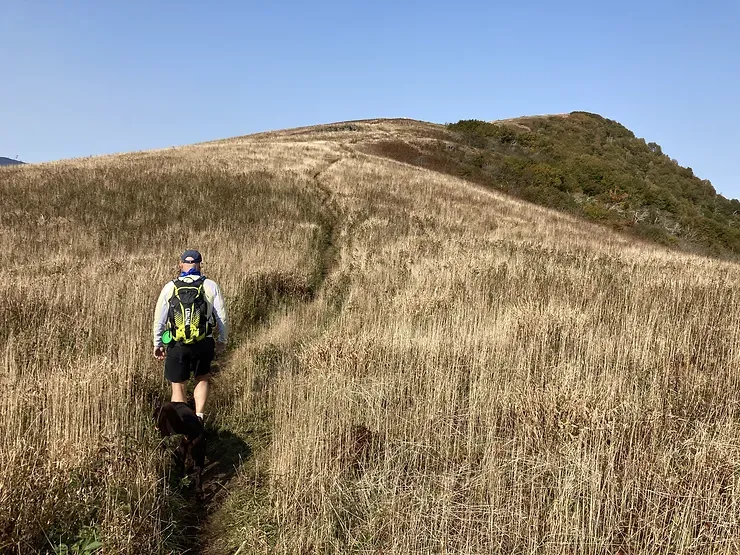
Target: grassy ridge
(505,380)
(418,364)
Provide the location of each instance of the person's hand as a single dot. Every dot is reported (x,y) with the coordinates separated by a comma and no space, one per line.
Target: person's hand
(220,349)
(159,353)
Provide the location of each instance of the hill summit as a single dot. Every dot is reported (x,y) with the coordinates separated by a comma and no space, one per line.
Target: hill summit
(589,166)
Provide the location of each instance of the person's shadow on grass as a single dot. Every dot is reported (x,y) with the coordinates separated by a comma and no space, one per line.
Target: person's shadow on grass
(225,453)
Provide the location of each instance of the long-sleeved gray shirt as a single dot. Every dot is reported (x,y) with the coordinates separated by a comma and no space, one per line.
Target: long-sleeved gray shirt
(216,308)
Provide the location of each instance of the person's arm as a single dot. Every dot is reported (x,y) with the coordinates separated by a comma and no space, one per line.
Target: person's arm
(219,312)
(160,315)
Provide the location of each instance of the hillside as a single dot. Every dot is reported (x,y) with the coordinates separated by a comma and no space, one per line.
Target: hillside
(418,363)
(9,161)
(588,166)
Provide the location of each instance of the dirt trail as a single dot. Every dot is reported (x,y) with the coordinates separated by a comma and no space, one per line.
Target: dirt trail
(329,228)
(226,451)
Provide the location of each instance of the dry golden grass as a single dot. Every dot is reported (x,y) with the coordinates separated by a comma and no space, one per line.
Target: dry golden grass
(434,368)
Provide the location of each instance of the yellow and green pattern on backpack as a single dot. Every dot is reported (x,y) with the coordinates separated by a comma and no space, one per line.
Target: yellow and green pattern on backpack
(188,314)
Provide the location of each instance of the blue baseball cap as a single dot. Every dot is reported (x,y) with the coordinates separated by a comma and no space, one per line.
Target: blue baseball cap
(191,257)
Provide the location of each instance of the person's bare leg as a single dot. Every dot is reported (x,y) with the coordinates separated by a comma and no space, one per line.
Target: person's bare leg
(179,393)
(200,393)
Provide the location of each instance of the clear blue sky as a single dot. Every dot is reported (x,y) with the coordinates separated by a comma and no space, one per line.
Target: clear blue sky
(82,78)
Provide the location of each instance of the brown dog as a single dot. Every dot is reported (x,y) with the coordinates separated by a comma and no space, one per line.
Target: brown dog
(179,419)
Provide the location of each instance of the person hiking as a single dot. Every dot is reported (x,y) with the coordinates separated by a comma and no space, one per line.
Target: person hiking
(186,312)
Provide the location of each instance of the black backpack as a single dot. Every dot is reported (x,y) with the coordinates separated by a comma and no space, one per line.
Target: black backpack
(188,314)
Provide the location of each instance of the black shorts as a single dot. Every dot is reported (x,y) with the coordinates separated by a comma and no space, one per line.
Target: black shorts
(184,360)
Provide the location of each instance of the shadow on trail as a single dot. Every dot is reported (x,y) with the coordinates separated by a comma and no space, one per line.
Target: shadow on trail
(226,452)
